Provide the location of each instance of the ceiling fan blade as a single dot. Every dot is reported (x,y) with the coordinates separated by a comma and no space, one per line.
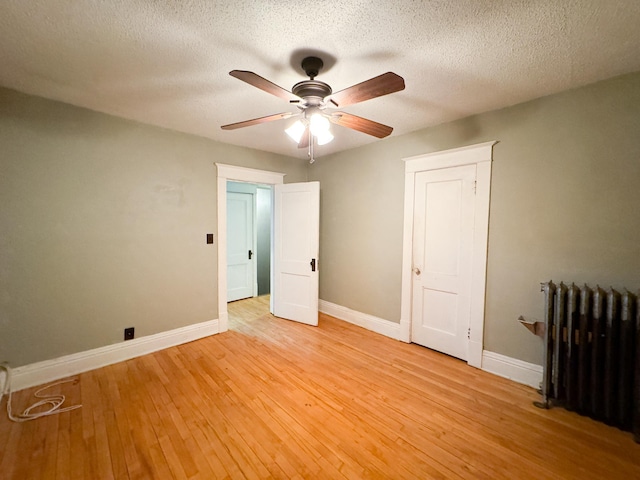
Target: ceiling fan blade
(304,140)
(256,121)
(374,87)
(264,84)
(361,124)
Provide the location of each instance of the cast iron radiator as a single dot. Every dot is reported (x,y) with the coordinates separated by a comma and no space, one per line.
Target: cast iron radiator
(592,353)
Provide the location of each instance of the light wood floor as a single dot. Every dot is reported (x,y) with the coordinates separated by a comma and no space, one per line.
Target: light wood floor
(275,399)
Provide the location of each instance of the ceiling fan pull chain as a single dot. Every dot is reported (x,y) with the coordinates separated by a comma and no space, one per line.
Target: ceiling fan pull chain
(311,141)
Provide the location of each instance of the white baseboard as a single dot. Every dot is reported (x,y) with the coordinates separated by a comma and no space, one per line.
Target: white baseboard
(50,370)
(375,324)
(512,368)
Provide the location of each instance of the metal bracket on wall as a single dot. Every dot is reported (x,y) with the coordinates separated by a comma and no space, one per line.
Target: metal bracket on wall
(535,327)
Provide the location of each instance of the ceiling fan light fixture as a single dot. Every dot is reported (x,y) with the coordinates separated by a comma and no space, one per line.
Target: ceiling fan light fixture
(318,124)
(324,137)
(295,131)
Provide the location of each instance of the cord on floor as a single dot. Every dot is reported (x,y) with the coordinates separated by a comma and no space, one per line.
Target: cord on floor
(54,401)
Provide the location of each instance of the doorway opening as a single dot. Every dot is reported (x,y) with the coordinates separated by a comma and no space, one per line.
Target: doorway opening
(244,313)
(232,173)
(249,225)
(295,244)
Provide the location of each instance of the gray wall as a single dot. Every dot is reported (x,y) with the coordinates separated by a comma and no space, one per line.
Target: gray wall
(564,206)
(103,225)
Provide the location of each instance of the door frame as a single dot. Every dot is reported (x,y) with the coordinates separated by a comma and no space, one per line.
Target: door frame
(480,155)
(239,174)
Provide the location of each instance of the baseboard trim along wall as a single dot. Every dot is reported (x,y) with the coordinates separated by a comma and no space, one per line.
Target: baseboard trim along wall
(512,368)
(49,370)
(375,324)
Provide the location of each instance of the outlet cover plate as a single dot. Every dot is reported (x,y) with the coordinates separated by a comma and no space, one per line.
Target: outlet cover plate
(129,333)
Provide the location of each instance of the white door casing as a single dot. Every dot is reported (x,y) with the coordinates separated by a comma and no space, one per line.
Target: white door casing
(296,237)
(479,155)
(442,251)
(240,241)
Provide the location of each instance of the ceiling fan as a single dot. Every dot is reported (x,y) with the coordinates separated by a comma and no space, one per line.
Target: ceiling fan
(313,98)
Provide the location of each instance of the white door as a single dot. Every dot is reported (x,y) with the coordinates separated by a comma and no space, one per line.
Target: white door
(296,239)
(240,250)
(444,205)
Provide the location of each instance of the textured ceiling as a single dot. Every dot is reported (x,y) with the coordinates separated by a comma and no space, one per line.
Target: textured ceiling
(166,63)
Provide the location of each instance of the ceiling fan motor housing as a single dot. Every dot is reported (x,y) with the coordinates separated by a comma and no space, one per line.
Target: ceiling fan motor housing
(312,91)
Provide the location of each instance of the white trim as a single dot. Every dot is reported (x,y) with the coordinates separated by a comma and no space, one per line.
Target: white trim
(375,324)
(479,267)
(240,174)
(407,258)
(251,175)
(454,157)
(512,368)
(61,367)
(481,156)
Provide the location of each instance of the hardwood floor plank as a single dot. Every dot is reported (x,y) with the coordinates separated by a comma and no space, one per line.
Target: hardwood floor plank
(64,454)
(129,454)
(272,398)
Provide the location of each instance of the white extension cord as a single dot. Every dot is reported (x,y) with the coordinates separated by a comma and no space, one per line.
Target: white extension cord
(54,401)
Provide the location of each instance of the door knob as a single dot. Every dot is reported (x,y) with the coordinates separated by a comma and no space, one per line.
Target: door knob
(416,270)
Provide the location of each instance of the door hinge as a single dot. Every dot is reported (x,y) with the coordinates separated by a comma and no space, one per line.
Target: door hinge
(313,264)
(250,254)
(475,187)
(469,333)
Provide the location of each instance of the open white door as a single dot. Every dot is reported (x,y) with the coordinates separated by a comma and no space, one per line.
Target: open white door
(296,239)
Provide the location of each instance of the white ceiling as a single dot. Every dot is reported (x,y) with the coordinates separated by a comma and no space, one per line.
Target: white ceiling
(166,62)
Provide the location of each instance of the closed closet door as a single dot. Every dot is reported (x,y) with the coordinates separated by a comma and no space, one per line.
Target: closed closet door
(443,231)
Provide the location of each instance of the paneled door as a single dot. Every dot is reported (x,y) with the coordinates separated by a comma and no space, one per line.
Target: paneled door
(296,238)
(443,229)
(240,249)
